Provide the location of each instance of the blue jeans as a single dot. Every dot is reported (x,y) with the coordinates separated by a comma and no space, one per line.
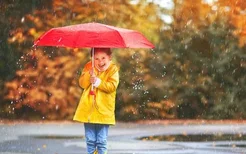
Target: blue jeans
(96,138)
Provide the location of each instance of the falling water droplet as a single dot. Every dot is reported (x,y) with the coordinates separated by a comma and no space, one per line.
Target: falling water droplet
(57,107)
(60,39)
(22,19)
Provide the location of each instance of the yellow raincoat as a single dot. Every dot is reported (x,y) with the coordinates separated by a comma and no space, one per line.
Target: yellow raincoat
(101,109)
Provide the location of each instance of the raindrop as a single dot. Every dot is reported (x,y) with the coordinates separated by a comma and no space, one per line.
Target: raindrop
(214,8)
(57,107)
(60,39)
(227,9)
(22,19)
(189,22)
(146,92)
(164,74)
(74,15)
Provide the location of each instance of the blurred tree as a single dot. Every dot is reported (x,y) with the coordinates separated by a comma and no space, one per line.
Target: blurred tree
(12,18)
(43,85)
(204,63)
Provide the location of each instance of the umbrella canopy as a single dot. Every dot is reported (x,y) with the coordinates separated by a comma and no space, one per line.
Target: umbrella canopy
(93,35)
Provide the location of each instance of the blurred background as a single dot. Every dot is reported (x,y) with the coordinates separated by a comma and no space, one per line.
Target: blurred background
(196,71)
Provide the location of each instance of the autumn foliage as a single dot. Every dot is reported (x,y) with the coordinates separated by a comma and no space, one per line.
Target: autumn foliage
(46,85)
(197,69)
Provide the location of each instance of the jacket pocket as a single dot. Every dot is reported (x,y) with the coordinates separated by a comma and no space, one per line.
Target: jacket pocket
(106,104)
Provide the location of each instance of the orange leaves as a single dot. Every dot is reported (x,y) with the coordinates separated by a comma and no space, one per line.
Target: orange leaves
(16,35)
(50,88)
(233,3)
(191,14)
(237,15)
(194,14)
(160,109)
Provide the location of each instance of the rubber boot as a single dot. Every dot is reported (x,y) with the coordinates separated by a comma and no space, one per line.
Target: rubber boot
(95,152)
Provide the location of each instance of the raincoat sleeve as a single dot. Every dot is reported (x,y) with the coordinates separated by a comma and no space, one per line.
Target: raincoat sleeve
(84,79)
(110,85)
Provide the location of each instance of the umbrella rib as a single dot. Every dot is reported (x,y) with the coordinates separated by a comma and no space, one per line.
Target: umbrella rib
(122,38)
(117,31)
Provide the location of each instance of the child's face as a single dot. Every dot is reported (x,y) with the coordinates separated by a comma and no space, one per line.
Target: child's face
(102,60)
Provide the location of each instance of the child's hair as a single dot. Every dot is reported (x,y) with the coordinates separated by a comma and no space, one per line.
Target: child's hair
(106,50)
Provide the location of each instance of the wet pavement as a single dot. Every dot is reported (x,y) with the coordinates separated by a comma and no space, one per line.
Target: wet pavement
(68,138)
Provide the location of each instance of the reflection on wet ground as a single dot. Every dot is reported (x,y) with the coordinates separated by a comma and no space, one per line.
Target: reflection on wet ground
(58,137)
(196,137)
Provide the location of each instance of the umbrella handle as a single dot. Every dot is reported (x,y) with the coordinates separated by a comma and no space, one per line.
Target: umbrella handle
(93,66)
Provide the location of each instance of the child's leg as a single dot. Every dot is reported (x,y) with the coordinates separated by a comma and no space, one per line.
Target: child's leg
(90,136)
(102,134)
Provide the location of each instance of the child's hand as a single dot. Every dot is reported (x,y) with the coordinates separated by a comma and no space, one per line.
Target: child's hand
(93,79)
(93,76)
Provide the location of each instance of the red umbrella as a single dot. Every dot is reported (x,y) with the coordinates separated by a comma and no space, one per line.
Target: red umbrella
(93,35)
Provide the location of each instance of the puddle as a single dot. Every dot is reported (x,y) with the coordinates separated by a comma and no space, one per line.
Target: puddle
(232,145)
(196,137)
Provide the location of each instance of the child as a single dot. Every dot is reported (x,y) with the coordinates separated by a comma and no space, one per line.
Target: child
(96,110)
